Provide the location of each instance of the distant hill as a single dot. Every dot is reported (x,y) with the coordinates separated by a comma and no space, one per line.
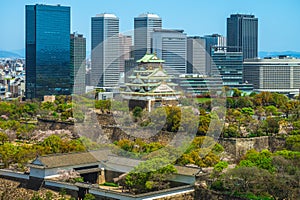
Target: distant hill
(9,54)
(263,54)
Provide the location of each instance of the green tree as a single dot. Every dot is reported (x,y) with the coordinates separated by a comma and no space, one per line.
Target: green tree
(189,120)
(3,138)
(202,152)
(247,179)
(36,196)
(49,195)
(262,160)
(242,102)
(218,168)
(204,122)
(103,105)
(247,111)
(173,118)
(230,103)
(236,92)
(150,175)
(231,131)
(89,197)
(271,110)
(293,143)
(137,112)
(52,144)
(8,153)
(158,118)
(48,106)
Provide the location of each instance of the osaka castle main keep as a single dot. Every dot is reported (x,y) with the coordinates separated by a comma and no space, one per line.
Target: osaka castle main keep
(150,86)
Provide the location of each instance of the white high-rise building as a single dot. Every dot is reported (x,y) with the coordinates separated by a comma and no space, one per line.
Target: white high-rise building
(105,50)
(196,55)
(171,46)
(144,25)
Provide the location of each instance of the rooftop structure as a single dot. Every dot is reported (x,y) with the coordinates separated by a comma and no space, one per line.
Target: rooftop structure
(149,15)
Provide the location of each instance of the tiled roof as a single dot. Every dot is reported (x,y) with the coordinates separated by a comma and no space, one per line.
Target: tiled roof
(150,58)
(70,159)
(187,171)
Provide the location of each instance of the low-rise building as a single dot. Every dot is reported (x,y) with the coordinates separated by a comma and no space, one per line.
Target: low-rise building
(279,74)
(199,85)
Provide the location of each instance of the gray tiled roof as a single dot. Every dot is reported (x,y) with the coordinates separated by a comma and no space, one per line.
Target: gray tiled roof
(69,159)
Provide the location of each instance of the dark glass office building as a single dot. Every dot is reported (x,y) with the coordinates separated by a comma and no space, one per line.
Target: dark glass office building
(242,31)
(229,66)
(47,51)
(78,65)
(144,25)
(210,41)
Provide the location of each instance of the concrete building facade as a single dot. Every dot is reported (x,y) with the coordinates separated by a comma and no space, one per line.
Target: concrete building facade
(196,55)
(273,74)
(171,46)
(105,50)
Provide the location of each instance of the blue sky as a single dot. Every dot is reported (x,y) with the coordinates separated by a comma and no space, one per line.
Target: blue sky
(279,21)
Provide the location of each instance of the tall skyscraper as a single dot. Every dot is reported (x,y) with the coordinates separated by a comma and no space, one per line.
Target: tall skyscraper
(196,55)
(171,46)
(242,31)
(47,51)
(210,41)
(78,65)
(125,49)
(144,25)
(105,50)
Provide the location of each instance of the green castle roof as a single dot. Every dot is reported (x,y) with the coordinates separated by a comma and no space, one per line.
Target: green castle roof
(150,58)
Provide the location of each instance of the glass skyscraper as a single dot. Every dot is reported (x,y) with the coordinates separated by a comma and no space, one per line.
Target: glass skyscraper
(47,51)
(242,31)
(229,66)
(144,25)
(78,65)
(210,41)
(105,50)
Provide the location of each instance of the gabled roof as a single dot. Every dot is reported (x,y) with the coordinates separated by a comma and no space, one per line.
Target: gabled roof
(128,89)
(137,81)
(162,88)
(150,58)
(159,73)
(63,160)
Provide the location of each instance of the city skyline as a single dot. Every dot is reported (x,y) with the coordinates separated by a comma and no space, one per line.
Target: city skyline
(277,30)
